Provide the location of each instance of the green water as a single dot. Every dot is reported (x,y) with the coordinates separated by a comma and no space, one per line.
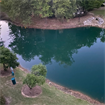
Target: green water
(74,57)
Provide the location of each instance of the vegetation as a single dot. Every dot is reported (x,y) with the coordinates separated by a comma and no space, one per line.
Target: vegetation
(50,95)
(99,12)
(25,10)
(31,80)
(37,76)
(64,8)
(39,70)
(7,58)
(88,5)
(103,1)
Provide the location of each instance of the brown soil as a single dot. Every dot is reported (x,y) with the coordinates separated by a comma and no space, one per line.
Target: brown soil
(55,24)
(5,73)
(32,93)
(23,69)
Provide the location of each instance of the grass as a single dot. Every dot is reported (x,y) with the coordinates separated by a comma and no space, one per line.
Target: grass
(50,95)
(99,12)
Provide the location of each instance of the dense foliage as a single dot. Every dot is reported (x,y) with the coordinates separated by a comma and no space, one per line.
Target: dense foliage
(31,80)
(88,5)
(64,8)
(24,10)
(39,70)
(7,58)
(37,76)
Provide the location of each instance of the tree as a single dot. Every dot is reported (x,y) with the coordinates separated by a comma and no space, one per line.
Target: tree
(42,8)
(7,58)
(39,70)
(31,80)
(88,5)
(64,8)
(24,10)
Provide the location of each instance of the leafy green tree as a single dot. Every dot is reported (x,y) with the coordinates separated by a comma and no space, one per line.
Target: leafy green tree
(88,5)
(7,58)
(42,8)
(39,70)
(31,80)
(24,10)
(64,8)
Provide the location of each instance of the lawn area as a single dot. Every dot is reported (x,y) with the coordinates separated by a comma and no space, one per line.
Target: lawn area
(50,95)
(99,12)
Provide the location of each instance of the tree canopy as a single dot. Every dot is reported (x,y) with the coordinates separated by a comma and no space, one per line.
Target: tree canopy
(89,4)
(7,58)
(37,76)
(39,70)
(26,9)
(64,8)
(31,80)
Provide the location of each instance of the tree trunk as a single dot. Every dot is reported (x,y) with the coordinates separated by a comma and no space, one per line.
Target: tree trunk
(4,67)
(30,88)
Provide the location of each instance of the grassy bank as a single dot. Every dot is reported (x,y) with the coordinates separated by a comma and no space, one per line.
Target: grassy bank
(50,95)
(99,12)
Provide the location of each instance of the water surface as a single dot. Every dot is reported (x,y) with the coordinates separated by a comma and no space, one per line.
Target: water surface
(74,57)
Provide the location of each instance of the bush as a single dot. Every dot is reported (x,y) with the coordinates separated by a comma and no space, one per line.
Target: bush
(2,99)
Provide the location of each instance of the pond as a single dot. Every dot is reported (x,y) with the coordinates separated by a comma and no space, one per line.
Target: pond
(74,58)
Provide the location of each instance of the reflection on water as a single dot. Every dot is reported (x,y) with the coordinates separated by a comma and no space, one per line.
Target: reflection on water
(48,44)
(74,57)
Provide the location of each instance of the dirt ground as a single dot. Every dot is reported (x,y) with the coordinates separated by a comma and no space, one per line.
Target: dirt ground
(5,73)
(54,24)
(34,92)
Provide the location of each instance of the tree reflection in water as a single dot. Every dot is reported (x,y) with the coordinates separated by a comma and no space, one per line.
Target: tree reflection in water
(57,44)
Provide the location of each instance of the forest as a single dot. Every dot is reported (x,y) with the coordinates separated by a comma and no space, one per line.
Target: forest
(25,10)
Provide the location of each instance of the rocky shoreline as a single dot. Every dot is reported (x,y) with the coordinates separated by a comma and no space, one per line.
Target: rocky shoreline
(55,24)
(76,94)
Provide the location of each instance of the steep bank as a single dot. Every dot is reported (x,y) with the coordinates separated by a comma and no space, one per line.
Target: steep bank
(71,92)
(3,16)
(53,23)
